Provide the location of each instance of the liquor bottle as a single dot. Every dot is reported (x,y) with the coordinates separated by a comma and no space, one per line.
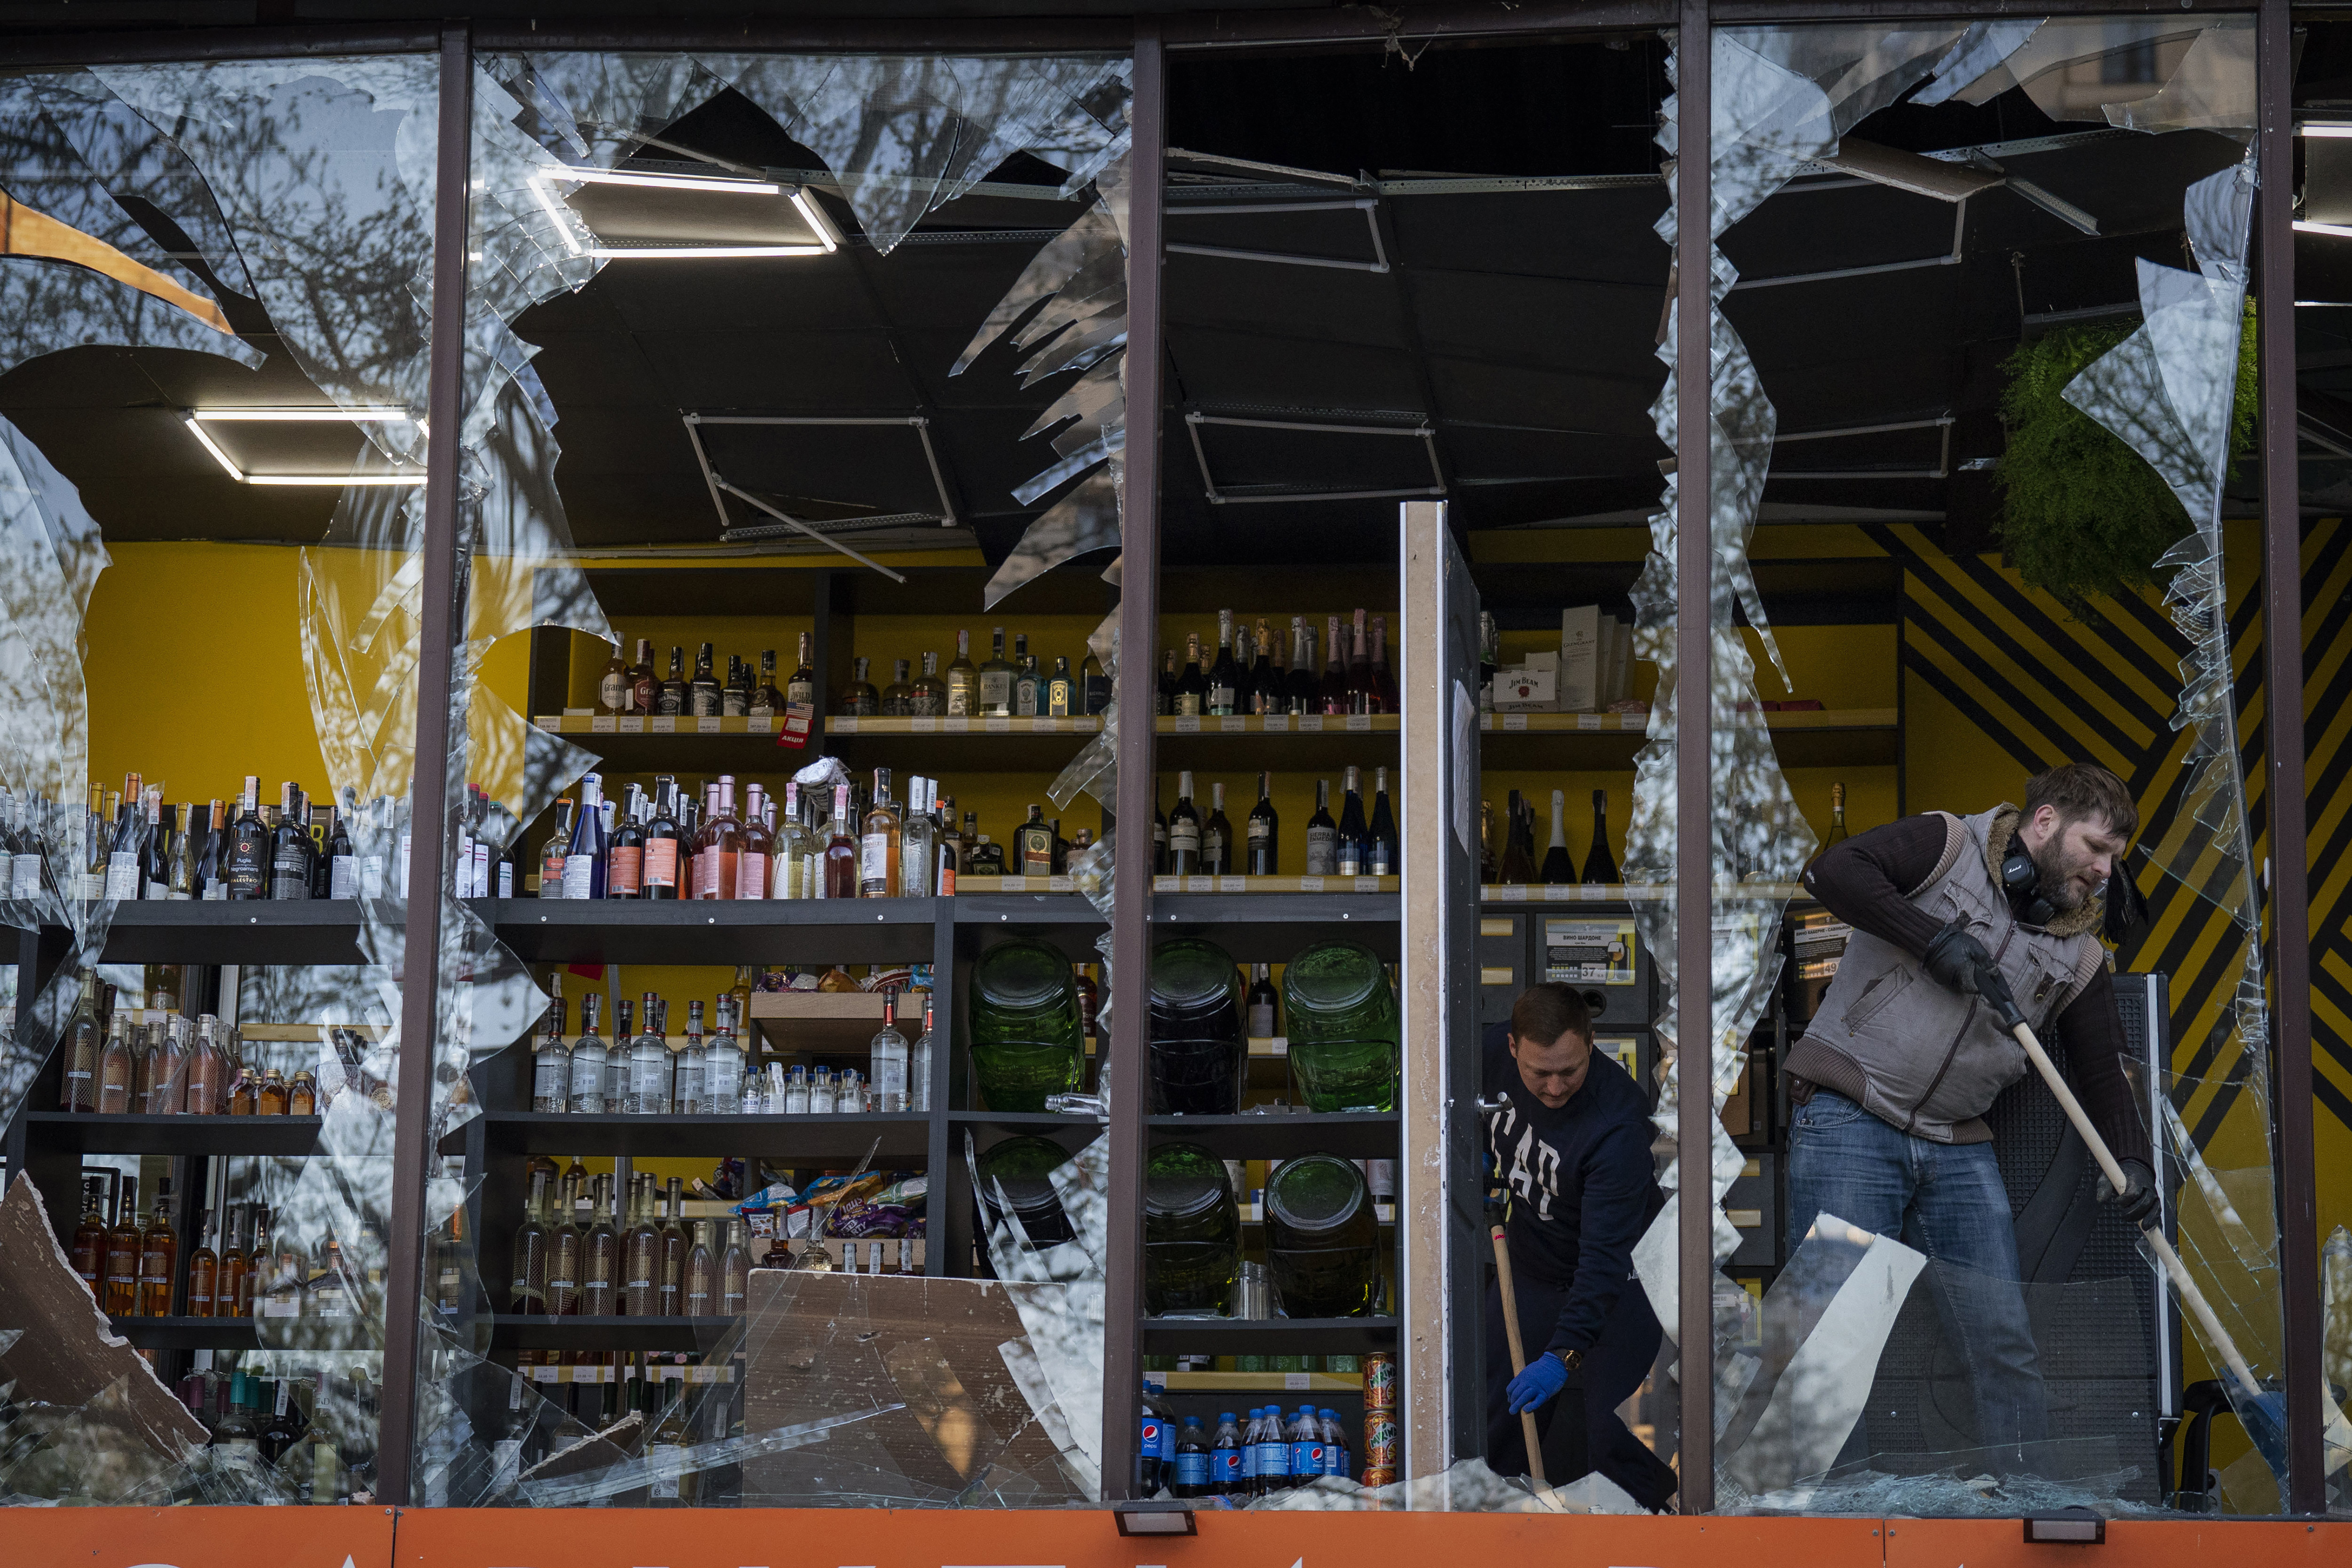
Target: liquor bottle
(930,695)
(657,873)
(1259,1004)
(802,687)
(290,851)
(669,1482)
(983,858)
(1264,830)
(255,1280)
(564,1238)
(919,1064)
(551,1062)
(583,857)
(1302,690)
(888,1055)
(159,1256)
(735,697)
(1331,691)
(616,1075)
(1600,865)
(670,1292)
(319,821)
(552,853)
(88,1251)
(1062,696)
(1486,842)
(168,1091)
(600,1256)
(688,1064)
(613,686)
(342,860)
(1091,692)
(702,1273)
(645,686)
(878,842)
(273,1093)
(527,1285)
(963,680)
(120,1270)
(899,697)
(789,877)
(1384,858)
(1322,833)
(1183,831)
(675,697)
(1191,686)
(1216,837)
(446,1265)
(702,694)
(248,870)
(841,856)
(204,1272)
(1033,846)
(724,1062)
(641,1253)
(1089,1000)
(1167,687)
(858,699)
(586,1095)
(1518,863)
(1384,686)
(754,862)
(79,1086)
(649,1084)
(1028,684)
(230,1297)
(116,1068)
(155,848)
(718,845)
(919,836)
(1225,691)
(734,1270)
(996,680)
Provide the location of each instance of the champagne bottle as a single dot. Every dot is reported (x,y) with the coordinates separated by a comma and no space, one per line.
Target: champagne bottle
(1600,865)
(1557,866)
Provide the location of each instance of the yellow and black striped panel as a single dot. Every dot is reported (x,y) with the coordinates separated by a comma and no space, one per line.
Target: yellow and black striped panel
(2000,682)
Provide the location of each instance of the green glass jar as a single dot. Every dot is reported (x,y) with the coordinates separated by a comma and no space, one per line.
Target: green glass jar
(1023,1013)
(1344,1028)
(1191,1234)
(1198,1053)
(1322,1243)
(1020,1166)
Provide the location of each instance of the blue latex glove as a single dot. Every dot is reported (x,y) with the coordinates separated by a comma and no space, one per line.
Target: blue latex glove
(1545,1377)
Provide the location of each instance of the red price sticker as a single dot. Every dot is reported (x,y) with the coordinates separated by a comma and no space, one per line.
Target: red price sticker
(794,730)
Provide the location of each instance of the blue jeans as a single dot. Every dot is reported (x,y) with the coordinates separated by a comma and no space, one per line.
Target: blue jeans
(1946,1200)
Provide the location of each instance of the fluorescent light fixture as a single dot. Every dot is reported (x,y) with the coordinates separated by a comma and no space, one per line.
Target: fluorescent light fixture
(197,418)
(2339,131)
(1153,1518)
(566,220)
(2338,229)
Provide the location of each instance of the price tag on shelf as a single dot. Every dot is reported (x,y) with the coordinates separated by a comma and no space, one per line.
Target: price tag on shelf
(1310,884)
(1231,724)
(1046,726)
(552,723)
(1310,723)
(1060,885)
(663,724)
(706,724)
(1514,893)
(1359,722)
(1164,884)
(1087,726)
(759,724)
(1188,724)
(960,724)
(997,724)
(1277,723)
(546,1374)
(707,1373)
(1200,884)
(845,725)
(1553,895)
(1012,884)
(1596,893)
(1368,884)
(1585,721)
(633,724)
(605,724)
(1515,722)
(1632,721)
(1233,884)
(1291,1380)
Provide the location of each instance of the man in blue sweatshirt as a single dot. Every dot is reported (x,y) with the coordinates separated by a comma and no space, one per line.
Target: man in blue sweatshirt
(1570,1144)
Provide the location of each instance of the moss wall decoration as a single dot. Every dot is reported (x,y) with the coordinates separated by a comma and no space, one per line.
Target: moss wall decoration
(2081,513)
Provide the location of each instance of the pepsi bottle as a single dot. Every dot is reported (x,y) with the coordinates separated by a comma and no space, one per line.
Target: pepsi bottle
(1150,1466)
(1272,1448)
(1226,1460)
(1192,1461)
(1336,1458)
(1305,1439)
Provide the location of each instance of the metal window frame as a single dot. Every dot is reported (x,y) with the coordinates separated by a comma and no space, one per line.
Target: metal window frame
(1194,418)
(1368,205)
(1151,39)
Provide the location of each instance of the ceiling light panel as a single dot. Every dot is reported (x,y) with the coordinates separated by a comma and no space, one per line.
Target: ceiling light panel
(630,215)
(199,419)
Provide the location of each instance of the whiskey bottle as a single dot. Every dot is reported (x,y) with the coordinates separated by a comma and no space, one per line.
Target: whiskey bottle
(1264,829)
(204,1272)
(644,686)
(120,1269)
(233,1296)
(996,680)
(159,1256)
(963,680)
(802,687)
(613,686)
(1183,831)
(702,696)
(88,1251)
(1322,833)
(1600,865)
(735,696)
(676,696)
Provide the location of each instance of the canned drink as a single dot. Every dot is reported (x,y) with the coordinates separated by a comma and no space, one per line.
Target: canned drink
(1384,1476)
(1379,1382)
(1380,1444)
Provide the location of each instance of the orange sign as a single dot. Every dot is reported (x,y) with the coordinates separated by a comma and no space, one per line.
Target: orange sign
(197,1536)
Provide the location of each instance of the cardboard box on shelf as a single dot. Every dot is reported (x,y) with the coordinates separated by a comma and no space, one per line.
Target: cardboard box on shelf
(1580,629)
(1532,687)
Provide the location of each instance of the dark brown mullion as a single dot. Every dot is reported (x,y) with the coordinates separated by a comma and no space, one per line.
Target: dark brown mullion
(431,840)
(2282,681)
(1693,786)
(1136,690)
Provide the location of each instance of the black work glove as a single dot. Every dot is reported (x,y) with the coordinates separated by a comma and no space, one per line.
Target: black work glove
(1958,960)
(2139,1202)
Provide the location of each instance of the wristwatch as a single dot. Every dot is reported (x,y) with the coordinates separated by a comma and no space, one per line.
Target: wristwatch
(1572,1360)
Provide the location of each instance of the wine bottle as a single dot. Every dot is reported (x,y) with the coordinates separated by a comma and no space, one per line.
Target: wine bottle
(1600,865)
(583,858)
(1558,867)
(1322,833)
(1264,830)
(1332,693)
(1183,831)
(1351,850)
(1224,676)
(1216,837)
(1385,859)
(1518,865)
(1191,686)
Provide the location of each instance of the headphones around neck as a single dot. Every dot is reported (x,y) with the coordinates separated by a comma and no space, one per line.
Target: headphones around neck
(2020,879)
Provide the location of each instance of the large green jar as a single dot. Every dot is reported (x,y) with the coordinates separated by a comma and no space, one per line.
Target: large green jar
(1021,1166)
(1198,1053)
(1343,1027)
(1023,1013)
(1191,1234)
(1322,1241)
